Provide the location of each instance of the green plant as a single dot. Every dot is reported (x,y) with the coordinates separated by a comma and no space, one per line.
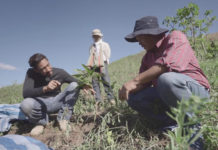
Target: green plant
(85,76)
(187,19)
(186,115)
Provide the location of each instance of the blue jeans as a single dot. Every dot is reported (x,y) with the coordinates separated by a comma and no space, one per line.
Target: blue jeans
(37,109)
(153,102)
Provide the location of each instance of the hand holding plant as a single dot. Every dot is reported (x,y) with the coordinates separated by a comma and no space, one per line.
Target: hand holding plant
(87,88)
(84,78)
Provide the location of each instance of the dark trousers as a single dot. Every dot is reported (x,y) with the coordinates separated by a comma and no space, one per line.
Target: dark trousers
(106,83)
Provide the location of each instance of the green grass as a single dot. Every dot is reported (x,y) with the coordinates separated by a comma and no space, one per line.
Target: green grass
(120,127)
(11,94)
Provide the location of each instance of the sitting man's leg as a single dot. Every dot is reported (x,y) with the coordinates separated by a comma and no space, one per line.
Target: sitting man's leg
(37,109)
(148,103)
(67,100)
(175,86)
(63,103)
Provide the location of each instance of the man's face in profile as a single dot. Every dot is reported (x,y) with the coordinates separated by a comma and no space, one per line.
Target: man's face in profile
(147,41)
(44,67)
(96,38)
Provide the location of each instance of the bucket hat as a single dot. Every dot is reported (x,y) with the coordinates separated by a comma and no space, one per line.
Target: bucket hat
(97,32)
(145,25)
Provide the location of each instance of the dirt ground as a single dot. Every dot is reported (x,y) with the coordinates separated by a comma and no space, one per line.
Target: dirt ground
(53,137)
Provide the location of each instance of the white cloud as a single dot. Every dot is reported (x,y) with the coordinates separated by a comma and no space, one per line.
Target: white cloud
(7,67)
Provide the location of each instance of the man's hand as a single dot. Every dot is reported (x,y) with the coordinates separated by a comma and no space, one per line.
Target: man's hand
(126,89)
(52,85)
(87,88)
(138,82)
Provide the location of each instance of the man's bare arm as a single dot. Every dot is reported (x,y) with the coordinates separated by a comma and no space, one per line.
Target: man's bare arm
(149,74)
(138,82)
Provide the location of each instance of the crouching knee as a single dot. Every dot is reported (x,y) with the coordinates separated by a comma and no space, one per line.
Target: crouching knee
(27,106)
(72,86)
(166,81)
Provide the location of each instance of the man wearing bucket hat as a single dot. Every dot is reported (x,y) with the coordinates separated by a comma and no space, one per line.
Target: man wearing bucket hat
(169,72)
(99,59)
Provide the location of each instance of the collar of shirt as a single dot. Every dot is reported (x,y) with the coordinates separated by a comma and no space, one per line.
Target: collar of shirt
(158,45)
(97,47)
(97,43)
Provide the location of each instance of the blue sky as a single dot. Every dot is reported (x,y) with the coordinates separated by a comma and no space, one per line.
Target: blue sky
(61,29)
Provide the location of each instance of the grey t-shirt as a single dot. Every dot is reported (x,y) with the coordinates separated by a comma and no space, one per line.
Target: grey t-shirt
(34,82)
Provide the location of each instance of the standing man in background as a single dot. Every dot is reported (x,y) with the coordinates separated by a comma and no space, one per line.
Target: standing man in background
(99,59)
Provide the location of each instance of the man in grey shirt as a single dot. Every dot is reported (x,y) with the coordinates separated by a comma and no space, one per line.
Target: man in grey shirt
(42,94)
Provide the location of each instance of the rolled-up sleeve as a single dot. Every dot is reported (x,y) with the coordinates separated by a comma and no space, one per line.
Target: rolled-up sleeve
(177,53)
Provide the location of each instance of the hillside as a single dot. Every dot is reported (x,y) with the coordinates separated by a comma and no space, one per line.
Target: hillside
(116,127)
(127,66)
(124,69)
(213,36)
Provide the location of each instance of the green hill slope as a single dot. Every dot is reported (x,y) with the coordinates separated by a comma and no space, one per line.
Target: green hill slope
(11,94)
(126,68)
(213,36)
(120,71)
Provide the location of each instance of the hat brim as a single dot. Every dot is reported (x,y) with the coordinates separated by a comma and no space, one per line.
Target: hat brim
(156,31)
(98,34)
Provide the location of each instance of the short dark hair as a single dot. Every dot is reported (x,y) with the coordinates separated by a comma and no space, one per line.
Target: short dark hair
(35,59)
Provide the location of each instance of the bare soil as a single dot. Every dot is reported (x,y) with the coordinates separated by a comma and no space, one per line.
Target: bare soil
(53,137)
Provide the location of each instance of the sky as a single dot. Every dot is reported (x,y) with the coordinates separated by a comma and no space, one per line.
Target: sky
(61,29)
